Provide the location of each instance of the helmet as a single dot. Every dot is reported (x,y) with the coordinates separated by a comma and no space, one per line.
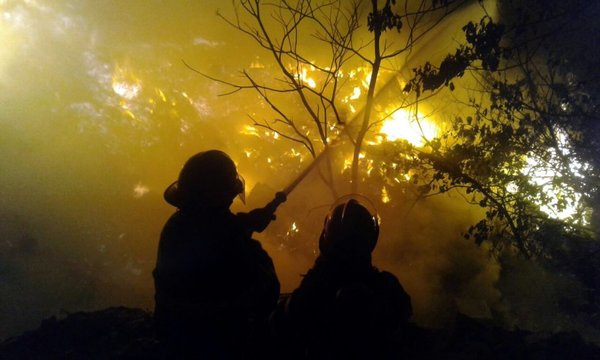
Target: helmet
(210,178)
(350,228)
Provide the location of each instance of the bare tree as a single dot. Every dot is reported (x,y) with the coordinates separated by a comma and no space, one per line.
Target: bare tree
(330,38)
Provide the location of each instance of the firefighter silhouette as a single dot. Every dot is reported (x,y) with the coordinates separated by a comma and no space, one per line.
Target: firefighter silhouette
(344,307)
(214,285)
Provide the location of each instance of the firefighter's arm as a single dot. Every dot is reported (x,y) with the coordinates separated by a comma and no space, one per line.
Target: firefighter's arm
(257,220)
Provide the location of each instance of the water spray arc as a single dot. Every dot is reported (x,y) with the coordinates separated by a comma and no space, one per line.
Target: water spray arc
(278,200)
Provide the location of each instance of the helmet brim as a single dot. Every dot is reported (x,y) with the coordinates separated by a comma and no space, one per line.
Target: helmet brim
(171,194)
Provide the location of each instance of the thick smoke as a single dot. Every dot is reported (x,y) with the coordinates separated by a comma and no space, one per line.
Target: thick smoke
(98,116)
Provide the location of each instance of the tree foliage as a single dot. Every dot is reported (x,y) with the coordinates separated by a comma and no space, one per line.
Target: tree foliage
(522,147)
(483,45)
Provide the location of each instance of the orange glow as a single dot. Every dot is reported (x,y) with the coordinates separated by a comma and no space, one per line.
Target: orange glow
(402,125)
(125,84)
(250,130)
(305,78)
(385,197)
(100,115)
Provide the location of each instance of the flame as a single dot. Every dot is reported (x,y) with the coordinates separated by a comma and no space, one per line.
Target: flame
(293,229)
(125,84)
(256,64)
(385,197)
(294,154)
(369,167)
(161,94)
(402,125)
(355,93)
(367,80)
(303,77)
(250,130)
(347,164)
(126,90)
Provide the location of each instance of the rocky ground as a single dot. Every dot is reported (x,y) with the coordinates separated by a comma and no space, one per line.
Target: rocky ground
(126,333)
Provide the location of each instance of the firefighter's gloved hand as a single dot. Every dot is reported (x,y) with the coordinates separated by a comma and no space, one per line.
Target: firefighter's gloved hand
(258,219)
(280,197)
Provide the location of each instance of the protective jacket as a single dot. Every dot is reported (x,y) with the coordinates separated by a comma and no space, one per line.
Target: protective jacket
(214,284)
(345,309)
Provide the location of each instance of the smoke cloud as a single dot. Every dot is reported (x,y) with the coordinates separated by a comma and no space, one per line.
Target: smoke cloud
(99,114)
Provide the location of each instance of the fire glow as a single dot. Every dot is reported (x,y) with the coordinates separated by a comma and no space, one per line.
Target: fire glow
(404,125)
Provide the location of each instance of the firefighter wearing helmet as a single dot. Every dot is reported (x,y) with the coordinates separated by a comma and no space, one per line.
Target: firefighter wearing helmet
(350,231)
(214,284)
(344,306)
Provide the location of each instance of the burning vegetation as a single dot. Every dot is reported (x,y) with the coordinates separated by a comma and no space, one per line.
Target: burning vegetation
(473,126)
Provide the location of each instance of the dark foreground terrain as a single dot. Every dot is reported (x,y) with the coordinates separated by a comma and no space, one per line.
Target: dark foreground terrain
(126,333)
